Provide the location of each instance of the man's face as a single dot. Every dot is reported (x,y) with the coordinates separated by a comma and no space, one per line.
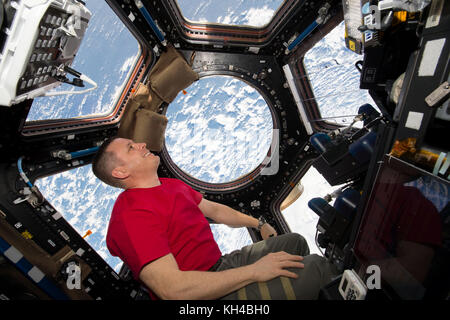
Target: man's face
(135,157)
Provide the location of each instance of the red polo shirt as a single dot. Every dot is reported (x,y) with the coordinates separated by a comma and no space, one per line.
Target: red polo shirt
(149,223)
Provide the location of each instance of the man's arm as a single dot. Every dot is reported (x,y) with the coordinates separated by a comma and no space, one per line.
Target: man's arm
(164,277)
(223,214)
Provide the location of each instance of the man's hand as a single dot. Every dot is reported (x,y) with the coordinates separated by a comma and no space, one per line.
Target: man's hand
(274,265)
(167,281)
(267,231)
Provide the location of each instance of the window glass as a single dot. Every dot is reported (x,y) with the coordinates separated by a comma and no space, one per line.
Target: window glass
(300,218)
(230,239)
(107,55)
(255,13)
(335,79)
(335,82)
(220,130)
(85,203)
(404,230)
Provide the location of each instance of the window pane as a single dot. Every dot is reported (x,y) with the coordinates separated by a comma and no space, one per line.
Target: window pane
(220,130)
(300,218)
(85,203)
(255,13)
(230,239)
(335,79)
(106,55)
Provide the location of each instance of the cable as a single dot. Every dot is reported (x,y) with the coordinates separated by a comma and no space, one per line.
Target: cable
(22,174)
(150,21)
(82,153)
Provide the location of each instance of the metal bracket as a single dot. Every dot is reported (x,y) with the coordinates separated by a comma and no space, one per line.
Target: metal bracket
(438,95)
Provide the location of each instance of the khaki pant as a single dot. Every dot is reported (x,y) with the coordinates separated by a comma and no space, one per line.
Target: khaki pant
(317,271)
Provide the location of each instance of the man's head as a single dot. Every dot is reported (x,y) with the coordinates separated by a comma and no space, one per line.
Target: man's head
(123,163)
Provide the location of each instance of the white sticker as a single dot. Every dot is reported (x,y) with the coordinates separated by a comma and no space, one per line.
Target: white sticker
(36,274)
(254,50)
(64,235)
(430,57)
(80,252)
(13,254)
(435,13)
(414,120)
(57,216)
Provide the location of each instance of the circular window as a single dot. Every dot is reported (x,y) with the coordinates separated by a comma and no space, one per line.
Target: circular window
(220,130)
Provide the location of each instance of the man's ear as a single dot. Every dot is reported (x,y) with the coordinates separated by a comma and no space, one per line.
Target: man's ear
(120,172)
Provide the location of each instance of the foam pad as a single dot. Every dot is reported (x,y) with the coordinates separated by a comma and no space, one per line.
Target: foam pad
(150,128)
(170,75)
(362,149)
(141,121)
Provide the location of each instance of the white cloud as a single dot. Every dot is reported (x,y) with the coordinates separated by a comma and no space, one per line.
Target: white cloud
(258,17)
(300,218)
(128,63)
(216,142)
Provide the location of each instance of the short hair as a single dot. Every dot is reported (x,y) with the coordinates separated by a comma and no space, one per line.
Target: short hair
(104,162)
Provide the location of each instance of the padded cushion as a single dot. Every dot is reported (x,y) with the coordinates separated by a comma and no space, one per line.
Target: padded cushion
(170,75)
(141,121)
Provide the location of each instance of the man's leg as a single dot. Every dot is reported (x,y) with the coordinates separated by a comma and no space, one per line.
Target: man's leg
(292,243)
(316,273)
